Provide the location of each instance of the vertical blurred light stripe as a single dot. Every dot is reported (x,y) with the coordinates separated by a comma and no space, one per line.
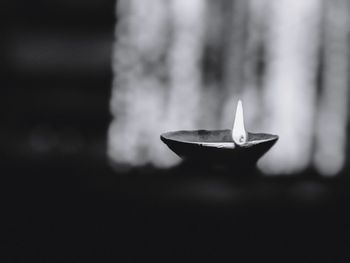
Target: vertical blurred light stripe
(332,112)
(185,56)
(157,77)
(234,45)
(252,67)
(211,93)
(137,103)
(290,88)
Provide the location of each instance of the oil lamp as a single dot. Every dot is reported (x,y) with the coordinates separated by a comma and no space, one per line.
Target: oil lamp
(228,148)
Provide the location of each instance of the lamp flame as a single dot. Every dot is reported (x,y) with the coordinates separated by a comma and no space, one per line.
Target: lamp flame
(239,134)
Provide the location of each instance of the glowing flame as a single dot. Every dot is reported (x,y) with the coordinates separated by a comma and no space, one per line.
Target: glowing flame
(239,134)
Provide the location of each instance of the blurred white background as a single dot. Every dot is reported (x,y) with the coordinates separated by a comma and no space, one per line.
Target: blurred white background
(183,64)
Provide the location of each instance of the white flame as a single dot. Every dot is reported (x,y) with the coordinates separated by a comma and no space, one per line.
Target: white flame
(239,134)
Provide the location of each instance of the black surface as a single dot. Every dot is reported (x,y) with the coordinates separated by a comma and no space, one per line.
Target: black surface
(73,211)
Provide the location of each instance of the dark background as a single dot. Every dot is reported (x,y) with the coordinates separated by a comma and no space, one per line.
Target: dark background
(62,201)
